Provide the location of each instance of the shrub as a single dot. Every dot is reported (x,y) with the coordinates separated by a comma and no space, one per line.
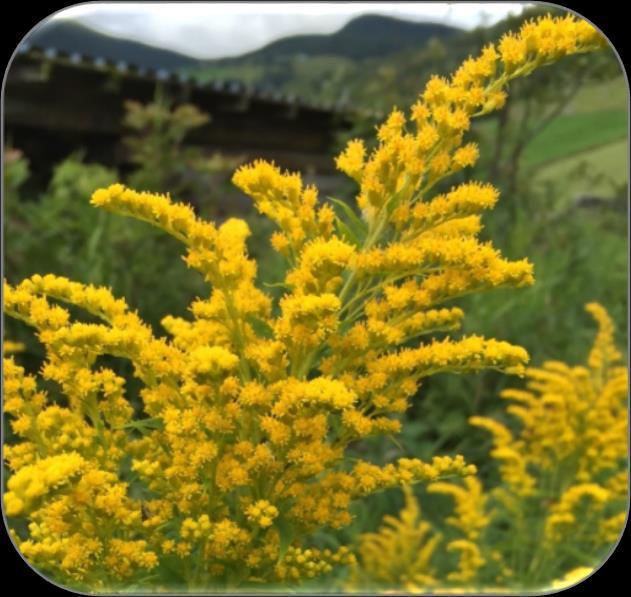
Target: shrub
(238,452)
(559,505)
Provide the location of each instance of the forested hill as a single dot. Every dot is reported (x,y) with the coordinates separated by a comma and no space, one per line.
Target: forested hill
(364,37)
(323,66)
(373,62)
(68,36)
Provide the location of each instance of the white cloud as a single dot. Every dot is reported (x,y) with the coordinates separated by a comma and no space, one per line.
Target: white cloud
(212,30)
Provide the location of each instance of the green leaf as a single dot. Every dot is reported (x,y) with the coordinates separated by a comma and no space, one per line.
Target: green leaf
(395,199)
(353,221)
(262,328)
(287,532)
(452,423)
(277,285)
(346,233)
(395,441)
(146,424)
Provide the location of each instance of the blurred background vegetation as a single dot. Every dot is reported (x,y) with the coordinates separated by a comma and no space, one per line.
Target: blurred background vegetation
(558,152)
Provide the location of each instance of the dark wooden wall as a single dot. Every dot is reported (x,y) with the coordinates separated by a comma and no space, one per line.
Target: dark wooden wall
(56,104)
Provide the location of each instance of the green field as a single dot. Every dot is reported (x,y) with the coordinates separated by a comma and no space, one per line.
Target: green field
(570,134)
(608,95)
(585,150)
(597,172)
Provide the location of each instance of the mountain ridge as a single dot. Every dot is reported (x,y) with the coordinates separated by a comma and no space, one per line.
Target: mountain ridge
(71,36)
(366,36)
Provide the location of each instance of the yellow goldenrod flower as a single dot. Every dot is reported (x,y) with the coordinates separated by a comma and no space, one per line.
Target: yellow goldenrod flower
(229,449)
(561,499)
(9,347)
(407,536)
(572,577)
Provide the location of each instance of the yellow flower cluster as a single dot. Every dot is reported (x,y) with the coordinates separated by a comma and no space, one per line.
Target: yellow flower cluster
(571,451)
(309,563)
(262,513)
(284,199)
(234,449)
(36,480)
(470,520)
(405,164)
(224,432)
(560,505)
(573,577)
(407,536)
(9,347)
(574,434)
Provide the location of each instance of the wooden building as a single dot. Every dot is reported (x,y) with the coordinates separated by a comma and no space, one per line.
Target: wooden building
(56,103)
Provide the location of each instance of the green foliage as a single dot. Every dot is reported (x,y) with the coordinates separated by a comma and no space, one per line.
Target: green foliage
(16,171)
(56,217)
(57,233)
(163,163)
(134,256)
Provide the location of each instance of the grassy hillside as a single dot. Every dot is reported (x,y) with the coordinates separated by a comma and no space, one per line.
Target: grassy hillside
(587,146)
(605,167)
(570,134)
(608,95)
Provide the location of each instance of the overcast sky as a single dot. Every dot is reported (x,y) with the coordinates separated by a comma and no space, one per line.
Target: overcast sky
(214,30)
